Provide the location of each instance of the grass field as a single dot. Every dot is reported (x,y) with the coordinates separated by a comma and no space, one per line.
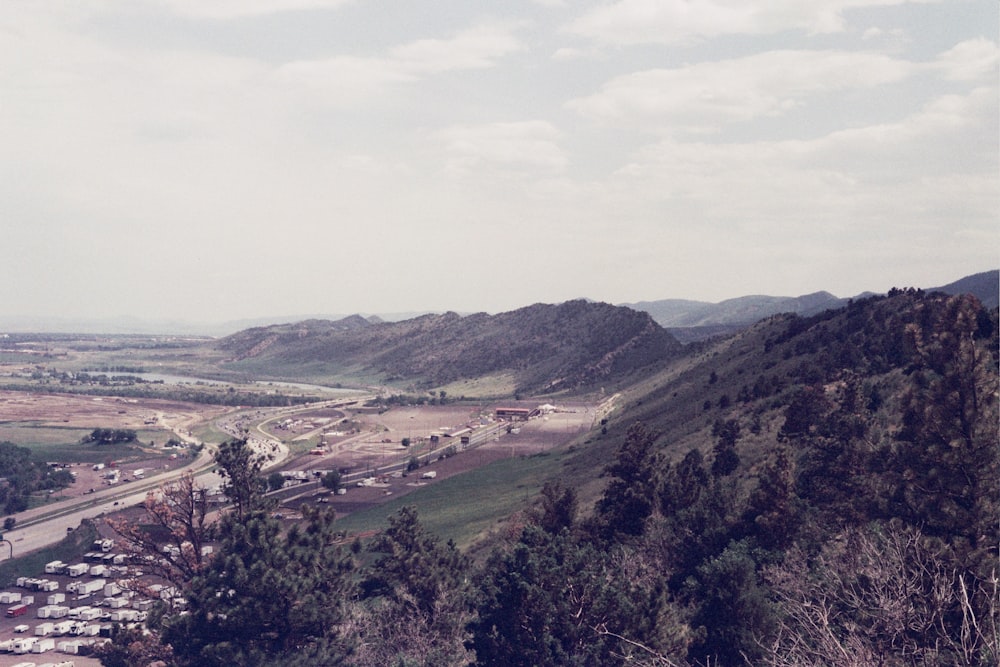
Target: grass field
(70,549)
(208,432)
(486,387)
(54,443)
(468,506)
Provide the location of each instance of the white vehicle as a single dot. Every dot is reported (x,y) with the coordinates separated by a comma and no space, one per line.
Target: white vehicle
(77,569)
(90,587)
(20,628)
(63,628)
(55,567)
(43,645)
(430,474)
(23,645)
(90,614)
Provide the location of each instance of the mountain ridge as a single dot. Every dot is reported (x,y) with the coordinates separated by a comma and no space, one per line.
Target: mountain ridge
(545,348)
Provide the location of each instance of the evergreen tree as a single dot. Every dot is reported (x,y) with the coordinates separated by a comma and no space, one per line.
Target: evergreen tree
(725,460)
(416,599)
(551,600)
(630,496)
(267,598)
(734,613)
(558,508)
(240,468)
(942,471)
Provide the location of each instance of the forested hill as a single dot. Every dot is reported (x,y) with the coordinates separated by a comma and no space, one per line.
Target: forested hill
(543,348)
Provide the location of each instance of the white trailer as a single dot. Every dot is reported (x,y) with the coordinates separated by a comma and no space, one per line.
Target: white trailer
(125,615)
(55,567)
(23,644)
(44,629)
(9,597)
(55,598)
(63,628)
(77,569)
(43,645)
(89,614)
(112,589)
(90,587)
(72,647)
(58,611)
(98,570)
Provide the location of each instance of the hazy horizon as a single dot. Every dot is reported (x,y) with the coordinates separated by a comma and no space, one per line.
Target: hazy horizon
(128,324)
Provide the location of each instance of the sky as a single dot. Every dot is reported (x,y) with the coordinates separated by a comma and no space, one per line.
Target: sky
(210,160)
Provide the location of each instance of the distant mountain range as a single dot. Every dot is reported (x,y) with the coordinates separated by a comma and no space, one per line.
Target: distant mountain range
(695,320)
(688,320)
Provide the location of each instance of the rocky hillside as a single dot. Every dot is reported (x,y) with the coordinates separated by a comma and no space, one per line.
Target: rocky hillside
(546,348)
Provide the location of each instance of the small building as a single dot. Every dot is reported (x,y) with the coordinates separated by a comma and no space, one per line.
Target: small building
(516,414)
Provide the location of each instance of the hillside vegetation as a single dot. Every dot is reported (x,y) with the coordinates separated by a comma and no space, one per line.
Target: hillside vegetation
(547,348)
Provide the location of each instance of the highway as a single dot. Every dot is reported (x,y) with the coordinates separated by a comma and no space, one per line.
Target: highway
(46,525)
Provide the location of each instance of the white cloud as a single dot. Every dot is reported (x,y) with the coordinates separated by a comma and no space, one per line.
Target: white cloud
(970,60)
(474,48)
(706,95)
(923,171)
(526,144)
(671,21)
(350,80)
(568,53)
(232,9)
(346,81)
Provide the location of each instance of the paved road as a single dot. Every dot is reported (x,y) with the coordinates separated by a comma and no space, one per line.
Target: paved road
(43,526)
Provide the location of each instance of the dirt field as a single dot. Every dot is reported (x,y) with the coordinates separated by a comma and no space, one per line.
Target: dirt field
(369,454)
(62,410)
(109,412)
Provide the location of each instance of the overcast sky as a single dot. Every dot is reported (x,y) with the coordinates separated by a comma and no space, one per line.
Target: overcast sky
(218,159)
